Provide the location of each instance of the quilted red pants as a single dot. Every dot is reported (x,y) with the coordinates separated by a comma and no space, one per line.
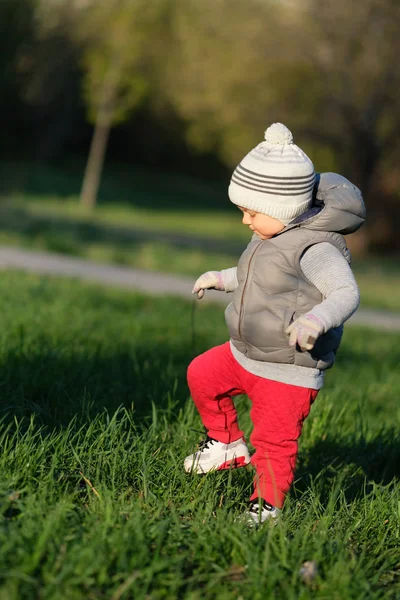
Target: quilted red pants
(277,413)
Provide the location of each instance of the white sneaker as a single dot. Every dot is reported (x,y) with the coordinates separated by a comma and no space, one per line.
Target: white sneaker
(260,511)
(216,456)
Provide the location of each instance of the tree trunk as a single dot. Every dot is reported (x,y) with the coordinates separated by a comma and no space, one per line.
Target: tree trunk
(98,146)
(95,162)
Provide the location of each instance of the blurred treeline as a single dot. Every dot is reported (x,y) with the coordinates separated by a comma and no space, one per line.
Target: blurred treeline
(191,85)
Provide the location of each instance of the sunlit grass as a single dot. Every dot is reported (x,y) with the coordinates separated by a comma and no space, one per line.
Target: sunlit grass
(222,224)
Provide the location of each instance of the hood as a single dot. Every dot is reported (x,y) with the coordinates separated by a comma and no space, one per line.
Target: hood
(338,206)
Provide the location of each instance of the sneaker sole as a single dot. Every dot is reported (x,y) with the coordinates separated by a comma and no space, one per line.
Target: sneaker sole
(233,463)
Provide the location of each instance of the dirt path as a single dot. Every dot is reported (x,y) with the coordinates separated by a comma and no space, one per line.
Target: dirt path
(145,281)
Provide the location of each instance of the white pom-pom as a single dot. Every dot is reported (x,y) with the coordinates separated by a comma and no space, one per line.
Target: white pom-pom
(278,134)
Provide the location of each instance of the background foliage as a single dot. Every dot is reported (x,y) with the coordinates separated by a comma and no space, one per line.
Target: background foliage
(200,81)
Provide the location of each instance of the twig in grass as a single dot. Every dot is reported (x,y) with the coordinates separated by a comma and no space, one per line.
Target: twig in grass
(193,325)
(90,484)
(125,585)
(308,571)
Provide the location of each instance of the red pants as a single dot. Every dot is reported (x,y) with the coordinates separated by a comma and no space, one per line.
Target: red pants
(278,411)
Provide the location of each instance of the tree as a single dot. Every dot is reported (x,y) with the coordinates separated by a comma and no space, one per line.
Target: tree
(216,76)
(114,36)
(52,79)
(328,70)
(17,19)
(357,65)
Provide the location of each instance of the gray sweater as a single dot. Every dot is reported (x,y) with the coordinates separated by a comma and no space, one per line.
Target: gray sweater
(326,268)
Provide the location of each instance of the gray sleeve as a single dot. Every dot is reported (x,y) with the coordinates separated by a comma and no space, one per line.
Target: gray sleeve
(229,278)
(325,266)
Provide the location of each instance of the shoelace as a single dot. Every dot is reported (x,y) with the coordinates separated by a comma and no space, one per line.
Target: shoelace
(203,445)
(255,507)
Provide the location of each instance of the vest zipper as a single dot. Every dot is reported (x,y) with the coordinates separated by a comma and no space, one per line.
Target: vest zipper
(244,290)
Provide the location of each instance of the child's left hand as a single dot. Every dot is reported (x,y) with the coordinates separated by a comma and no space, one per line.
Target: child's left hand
(305,331)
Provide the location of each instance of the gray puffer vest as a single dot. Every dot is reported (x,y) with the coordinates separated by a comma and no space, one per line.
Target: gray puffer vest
(273,291)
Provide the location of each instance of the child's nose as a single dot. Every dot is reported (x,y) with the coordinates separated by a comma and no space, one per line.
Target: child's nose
(246,219)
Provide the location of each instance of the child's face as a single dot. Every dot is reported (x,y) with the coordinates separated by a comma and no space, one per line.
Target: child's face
(263,225)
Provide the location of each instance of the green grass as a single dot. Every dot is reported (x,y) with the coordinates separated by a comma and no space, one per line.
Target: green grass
(222,224)
(379,283)
(153,201)
(96,422)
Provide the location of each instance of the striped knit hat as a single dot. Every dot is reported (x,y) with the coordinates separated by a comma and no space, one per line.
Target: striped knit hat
(276,178)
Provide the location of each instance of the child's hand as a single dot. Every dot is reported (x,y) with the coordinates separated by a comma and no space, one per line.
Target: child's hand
(211,279)
(305,331)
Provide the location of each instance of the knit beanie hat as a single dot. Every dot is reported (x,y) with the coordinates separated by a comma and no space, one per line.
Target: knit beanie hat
(276,178)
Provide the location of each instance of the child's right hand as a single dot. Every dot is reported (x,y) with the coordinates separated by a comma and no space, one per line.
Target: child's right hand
(209,280)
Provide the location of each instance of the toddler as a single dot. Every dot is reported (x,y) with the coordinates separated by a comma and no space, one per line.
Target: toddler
(292,291)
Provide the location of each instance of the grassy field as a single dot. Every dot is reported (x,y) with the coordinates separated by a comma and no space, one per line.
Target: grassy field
(96,421)
(164,223)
